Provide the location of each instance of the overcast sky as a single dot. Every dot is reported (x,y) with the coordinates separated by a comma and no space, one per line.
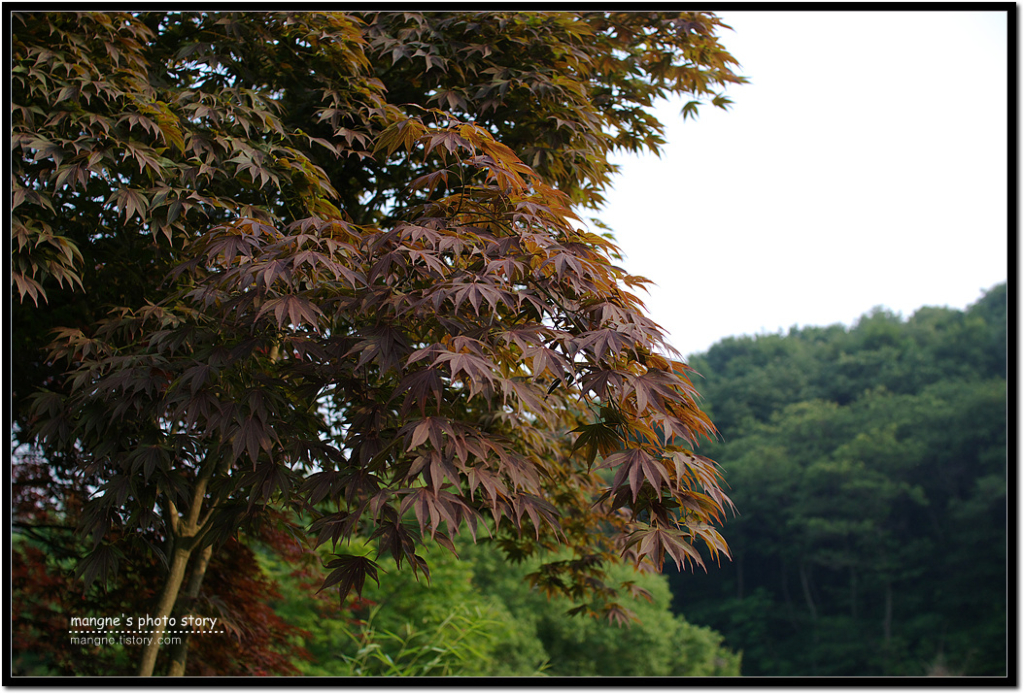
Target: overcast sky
(864,165)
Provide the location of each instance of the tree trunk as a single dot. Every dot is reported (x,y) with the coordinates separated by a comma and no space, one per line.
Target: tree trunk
(853,593)
(739,575)
(887,621)
(188,532)
(182,553)
(805,584)
(790,610)
(180,653)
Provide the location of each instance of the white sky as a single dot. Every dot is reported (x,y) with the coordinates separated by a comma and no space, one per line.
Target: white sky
(864,165)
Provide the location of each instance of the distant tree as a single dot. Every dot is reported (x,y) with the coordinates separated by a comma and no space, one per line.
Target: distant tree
(349,284)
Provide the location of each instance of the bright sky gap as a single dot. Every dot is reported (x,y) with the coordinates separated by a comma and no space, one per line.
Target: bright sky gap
(849,174)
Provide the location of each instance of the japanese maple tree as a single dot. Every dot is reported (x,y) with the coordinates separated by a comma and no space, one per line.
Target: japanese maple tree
(351,286)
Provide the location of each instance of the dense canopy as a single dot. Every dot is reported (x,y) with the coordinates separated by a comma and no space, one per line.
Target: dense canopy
(870,465)
(326,271)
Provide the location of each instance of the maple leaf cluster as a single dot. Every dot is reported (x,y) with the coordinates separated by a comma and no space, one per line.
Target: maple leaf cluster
(351,284)
(435,371)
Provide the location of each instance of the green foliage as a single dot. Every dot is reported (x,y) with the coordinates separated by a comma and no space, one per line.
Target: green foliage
(648,641)
(478,616)
(450,648)
(871,537)
(406,627)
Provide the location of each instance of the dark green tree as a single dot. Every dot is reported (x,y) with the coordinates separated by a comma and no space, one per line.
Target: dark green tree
(873,525)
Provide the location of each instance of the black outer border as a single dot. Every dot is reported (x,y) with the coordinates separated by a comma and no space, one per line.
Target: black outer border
(1013,518)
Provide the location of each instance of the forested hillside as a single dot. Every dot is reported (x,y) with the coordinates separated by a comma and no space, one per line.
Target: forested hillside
(869,468)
